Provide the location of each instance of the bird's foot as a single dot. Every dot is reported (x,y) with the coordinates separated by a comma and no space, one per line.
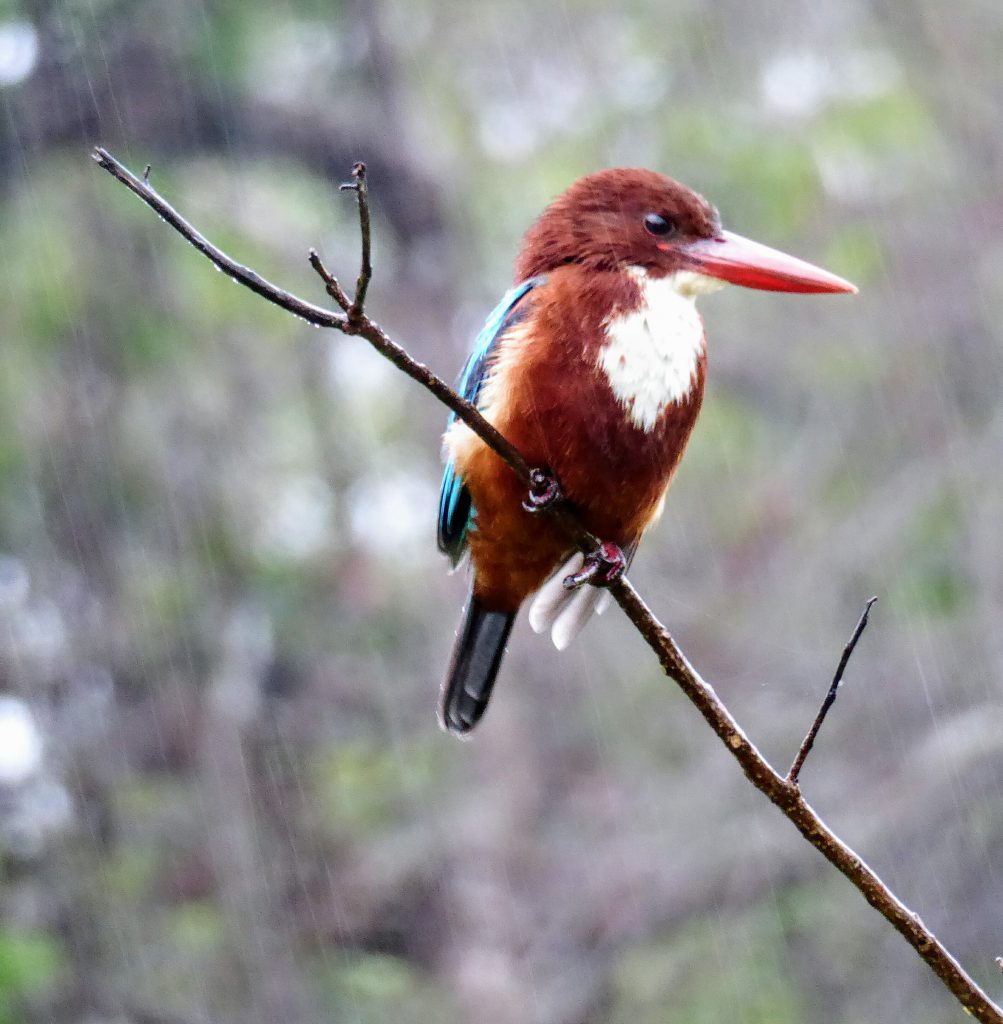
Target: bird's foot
(601,567)
(544,491)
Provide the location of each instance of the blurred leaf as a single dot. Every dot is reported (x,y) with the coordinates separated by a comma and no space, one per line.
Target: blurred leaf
(29,962)
(132,871)
(765,183)
(730,430)
(733,968)
(363,787)
(374,988)
(857,253)
(931,579)
(195,927)
(894,120)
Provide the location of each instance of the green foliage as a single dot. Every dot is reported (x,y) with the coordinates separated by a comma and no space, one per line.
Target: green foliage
(931,579)
(765,183)
(857,252)
(370,988)
(893,122)
(145,799)
(195,928)
(30,962)
(132,871)
(360,787)
(39,262)
(732,429)
(735,966)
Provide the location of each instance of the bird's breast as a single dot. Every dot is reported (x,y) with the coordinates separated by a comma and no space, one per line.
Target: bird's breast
(652,349)
(601,383)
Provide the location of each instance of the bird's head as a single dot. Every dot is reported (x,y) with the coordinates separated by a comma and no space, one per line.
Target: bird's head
(628,217)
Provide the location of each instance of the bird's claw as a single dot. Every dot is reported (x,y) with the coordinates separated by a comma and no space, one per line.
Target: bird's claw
(602,567)
(544,491)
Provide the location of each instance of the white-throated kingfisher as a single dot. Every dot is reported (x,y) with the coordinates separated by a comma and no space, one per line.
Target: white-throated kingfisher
(593,366)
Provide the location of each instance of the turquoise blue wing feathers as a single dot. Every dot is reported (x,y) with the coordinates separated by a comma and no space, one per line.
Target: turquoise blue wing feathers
(455,507)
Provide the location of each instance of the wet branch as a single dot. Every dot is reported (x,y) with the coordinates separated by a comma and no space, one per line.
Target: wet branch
(782,791)
(830,697)
(334,289)
(359,324)
(361,189)
(353,320)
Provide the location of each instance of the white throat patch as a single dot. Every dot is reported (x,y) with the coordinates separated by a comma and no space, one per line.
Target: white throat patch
(651,354)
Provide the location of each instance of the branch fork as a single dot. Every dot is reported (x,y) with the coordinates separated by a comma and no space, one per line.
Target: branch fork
(353,308)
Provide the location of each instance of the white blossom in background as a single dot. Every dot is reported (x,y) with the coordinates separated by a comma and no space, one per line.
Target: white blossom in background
(18,51)
(802,83)
(394,513)
(33,804)
(298,519)
(20,742)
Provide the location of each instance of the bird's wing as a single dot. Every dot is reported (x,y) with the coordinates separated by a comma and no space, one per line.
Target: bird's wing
(455,507)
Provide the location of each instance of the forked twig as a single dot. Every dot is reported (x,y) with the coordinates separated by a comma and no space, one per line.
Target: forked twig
(780,790)
(361,189)
(362,326)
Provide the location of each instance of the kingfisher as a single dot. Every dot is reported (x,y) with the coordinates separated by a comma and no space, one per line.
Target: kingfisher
(593,366)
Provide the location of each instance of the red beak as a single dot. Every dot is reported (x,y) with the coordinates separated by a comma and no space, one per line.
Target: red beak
(741,261)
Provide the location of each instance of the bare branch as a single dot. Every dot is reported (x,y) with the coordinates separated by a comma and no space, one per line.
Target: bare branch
(241,274)
(830,697)
(801,814)
(334,289)
(363,326)
(782,792)
(361,189)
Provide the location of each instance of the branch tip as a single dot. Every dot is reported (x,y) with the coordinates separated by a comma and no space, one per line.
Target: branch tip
(331,284)
(361,190)
(358,177)
(320,317)
(307,311)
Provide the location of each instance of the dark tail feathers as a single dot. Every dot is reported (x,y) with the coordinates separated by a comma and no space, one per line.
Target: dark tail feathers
(477,654)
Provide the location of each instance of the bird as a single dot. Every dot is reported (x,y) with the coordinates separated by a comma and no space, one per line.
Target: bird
(593,366)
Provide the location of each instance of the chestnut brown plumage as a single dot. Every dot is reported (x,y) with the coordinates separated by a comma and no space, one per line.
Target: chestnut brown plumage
(594,368)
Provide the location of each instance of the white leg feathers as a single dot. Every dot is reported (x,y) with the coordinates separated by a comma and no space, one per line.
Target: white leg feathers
(565,612)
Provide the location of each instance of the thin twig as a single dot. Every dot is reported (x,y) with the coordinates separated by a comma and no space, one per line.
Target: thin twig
(364,327)
(334,289)
(830,697)
(361,189)
(242,275)
(786,795)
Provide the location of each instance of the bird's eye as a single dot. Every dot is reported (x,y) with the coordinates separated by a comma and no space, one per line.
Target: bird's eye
(656,224)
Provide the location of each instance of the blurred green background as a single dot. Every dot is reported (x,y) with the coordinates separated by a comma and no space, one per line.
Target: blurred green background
(224,796)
